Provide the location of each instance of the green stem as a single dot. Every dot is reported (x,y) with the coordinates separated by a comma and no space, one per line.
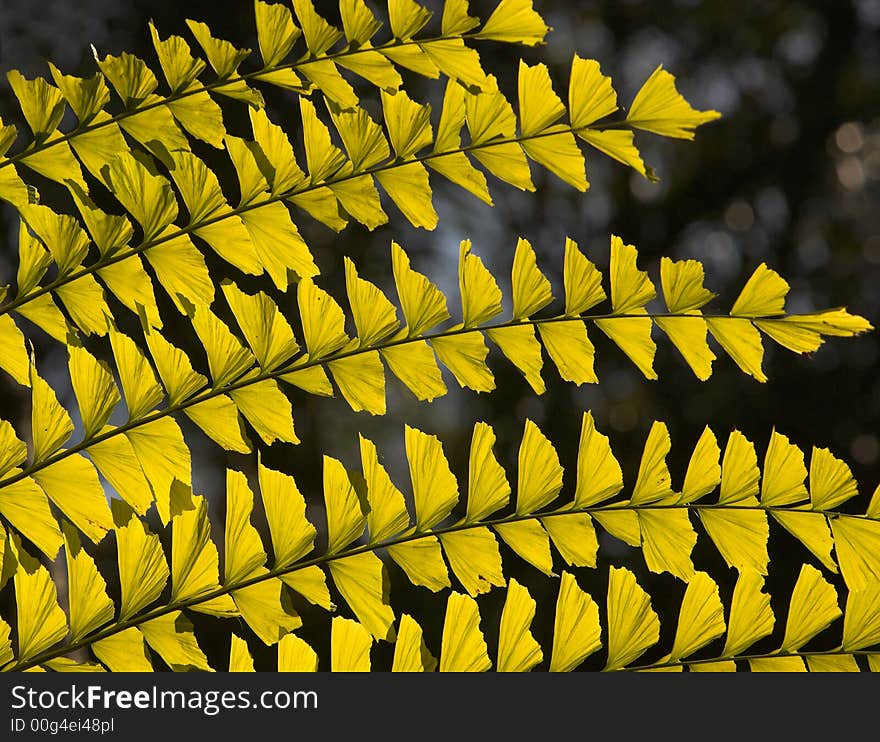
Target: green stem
(175,96)
(327,558)
(245,380)
(103,262)
(745,657)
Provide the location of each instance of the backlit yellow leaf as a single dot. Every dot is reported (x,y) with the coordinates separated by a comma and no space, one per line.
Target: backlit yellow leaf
(240,659)
(831,481)
(195,566)
(415,365)
(319,34)
(463,648)
(94,386)
(618,144)
(422,560)
(276,147)
(423,305)
(119,465)
(569,346)
(143,571)
(517,649)
(408,124)
(667,541)
(620,523)
(244,548)
(350,646)
(633,336)
(465,355)
(813,608)
(40,620)
(688,334)
(311,583)
(599,476)
(181,269)
(576,630)
(171,637)
(574,537)
(72,484)
(363,581)
(294,655)
(51,426)
(739,534)
(25,506)
(741,341)
(266,408)
(833,663)
(174,367)
(266,330)
(811,529)
(176,60)
(704,470)
(13,452)
(777,664)
(410,652)
(224,57)
(456,20)
(474,558)
(408,187)
(763,295)
(751,617)
(530,541)
(292,534)
(488,488)
(516,22)
(633,626)
(41,103)
(163,456)
(322,319)
(739,470)
(361,379)
(861,623)
(784,473)
(13,356)
(539,106)
(387,515)
(276,32)
(219,419)
(278,244)
(658,107)
(857,545)
(435,489)
(560,154)
(66,240)
(266,608)
(200,116)
(374,316)
(147,197)
(540,475)
(531,289)
(125,651)
(701,618)
(345,519)
(480,295)
(653,481)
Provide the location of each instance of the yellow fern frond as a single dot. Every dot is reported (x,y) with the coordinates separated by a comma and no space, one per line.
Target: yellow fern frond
(367,515)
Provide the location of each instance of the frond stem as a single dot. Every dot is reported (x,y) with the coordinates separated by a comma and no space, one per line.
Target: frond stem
(120,255)
(320,560)
(745,657)
(245,380)
(178,95)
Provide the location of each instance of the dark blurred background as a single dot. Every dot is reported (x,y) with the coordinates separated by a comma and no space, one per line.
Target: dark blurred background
(789,176)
